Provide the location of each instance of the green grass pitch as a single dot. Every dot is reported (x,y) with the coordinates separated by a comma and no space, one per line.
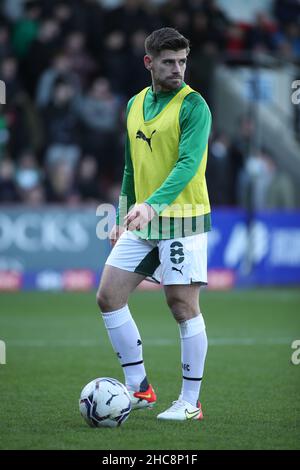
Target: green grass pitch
(56,343)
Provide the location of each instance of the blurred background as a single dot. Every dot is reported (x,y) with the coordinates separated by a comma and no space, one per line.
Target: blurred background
(69,68)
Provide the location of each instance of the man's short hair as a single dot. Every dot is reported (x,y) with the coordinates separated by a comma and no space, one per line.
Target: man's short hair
(165,38)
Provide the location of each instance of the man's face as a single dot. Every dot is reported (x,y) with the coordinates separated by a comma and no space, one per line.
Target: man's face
(167,69)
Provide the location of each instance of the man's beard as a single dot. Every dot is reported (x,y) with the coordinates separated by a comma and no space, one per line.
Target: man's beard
(169,83)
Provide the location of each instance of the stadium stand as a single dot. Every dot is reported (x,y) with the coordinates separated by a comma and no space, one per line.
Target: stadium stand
(67,68)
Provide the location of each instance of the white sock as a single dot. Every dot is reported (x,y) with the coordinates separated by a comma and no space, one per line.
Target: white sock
(126,342)
(193,353)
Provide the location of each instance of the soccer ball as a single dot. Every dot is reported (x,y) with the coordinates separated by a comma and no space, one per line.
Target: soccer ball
(104,402)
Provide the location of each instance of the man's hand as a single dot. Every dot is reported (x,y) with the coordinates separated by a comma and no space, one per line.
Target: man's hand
(139,216)
(115,234)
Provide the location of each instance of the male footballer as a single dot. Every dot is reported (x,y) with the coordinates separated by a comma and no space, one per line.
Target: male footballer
(162,222)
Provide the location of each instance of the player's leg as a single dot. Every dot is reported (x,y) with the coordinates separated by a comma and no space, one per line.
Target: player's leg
(115,286)
(182,289)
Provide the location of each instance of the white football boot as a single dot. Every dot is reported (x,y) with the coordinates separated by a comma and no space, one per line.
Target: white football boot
(181,410)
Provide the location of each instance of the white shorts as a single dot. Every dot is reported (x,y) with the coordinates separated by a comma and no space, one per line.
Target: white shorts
(175,261)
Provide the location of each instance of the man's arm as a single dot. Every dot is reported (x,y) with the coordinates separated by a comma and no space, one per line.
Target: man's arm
(195,123)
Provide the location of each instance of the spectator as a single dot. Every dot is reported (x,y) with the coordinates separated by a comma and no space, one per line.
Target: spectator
(128,17)
(259,36)
(41,51)
(200,31)
(180,20)
(59,184)
(26,28)
(100,114)
(20,115)
(61,123)
(81,61)
(88,181)
(135,82)
(263,186)
(64,14)
(114,60)
(9,74)
(218,170)
(235,41)
(92,16)
(287,41)
(281,191)
(8,189)
(202,71)
(28,176)
(5,44)
(217,20)
(241,148)
(61,68)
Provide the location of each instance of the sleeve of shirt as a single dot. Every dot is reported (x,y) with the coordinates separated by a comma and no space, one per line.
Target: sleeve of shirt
(195,124)
(127,196)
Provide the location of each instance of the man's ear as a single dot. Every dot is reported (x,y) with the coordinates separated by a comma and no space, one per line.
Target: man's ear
(148,62)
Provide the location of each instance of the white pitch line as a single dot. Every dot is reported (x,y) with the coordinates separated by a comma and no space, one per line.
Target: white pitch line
(31,343)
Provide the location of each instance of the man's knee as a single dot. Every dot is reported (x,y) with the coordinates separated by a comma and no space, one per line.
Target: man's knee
(178,307)
(104,300)
(108,301)
(182,309)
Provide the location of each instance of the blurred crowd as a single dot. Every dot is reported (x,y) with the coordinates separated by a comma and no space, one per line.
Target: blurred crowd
(70,66)
(241,174)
